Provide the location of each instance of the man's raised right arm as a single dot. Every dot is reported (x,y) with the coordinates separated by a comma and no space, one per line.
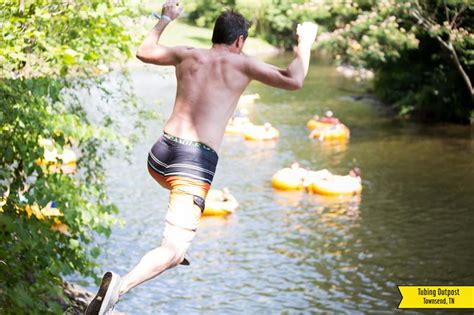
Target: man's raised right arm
(291,78)
(150,51)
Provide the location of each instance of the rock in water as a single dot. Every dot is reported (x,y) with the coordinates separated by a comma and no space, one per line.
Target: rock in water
(79,299)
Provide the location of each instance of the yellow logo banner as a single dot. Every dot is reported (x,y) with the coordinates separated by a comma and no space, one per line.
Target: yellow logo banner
(436,296)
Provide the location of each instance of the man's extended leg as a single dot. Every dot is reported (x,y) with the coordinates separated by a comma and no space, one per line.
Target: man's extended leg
(184,211)
(153,263)
(187,169)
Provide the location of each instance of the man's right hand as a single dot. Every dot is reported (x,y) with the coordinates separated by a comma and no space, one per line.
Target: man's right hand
(307,33)
(172,9)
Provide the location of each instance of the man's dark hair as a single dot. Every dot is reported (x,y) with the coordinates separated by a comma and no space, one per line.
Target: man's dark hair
(228,27)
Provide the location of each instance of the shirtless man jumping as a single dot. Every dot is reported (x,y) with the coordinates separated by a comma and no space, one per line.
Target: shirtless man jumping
(184,159)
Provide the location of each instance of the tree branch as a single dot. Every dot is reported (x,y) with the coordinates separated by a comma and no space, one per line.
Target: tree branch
(427,25)
(22,7)
(461,70)
(455,18)
(446,11)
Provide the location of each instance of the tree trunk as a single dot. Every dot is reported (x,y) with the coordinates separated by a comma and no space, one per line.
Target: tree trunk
(461,70)
(22,7)
(427,24)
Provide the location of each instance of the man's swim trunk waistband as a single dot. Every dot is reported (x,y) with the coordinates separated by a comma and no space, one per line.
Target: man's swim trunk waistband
(173,156)
(188,142)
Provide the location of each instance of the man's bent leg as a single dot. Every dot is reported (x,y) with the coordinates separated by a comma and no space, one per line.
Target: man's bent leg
(153,264)
(182,220)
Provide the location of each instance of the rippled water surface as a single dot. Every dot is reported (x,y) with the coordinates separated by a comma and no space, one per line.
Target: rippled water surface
(294,252)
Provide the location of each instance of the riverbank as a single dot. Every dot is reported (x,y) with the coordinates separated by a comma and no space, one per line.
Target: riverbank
(79,299)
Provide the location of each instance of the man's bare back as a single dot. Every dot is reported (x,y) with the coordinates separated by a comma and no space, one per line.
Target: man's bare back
(210,81)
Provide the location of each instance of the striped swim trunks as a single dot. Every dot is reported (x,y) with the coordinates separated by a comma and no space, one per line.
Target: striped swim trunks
(173,156)
(186,168)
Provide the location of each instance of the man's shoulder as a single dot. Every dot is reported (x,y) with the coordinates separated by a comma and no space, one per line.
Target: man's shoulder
(239,58)
(186,49)
(244,61)
(247,59)
(195,52)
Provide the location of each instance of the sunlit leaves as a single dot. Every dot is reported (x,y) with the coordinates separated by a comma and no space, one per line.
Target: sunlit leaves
(52,193)
(50,36)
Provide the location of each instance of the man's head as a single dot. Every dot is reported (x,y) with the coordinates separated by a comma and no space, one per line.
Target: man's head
(231,29)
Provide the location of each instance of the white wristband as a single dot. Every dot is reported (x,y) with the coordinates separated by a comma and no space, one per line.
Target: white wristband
(161,17)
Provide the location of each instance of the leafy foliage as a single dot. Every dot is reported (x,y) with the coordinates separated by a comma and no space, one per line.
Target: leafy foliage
(274,20)
(435,37)
(52,195)
(204,12)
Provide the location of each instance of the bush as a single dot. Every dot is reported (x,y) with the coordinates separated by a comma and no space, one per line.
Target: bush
(429,91)
(52,195)
(203,13)
(435,40)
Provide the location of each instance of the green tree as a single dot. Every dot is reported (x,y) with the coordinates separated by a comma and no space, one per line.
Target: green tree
(434,39)
(52,195)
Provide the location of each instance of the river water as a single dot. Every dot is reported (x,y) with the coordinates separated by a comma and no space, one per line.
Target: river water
(294,252)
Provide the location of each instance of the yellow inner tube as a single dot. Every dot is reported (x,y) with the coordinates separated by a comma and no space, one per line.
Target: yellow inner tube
(248,99)
(219,203)
(259,133)
(238,129)
(332,132)
(336,185)
(313,124)
(289,179)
